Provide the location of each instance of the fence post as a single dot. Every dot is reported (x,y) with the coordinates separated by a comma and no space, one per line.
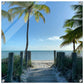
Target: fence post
(10,68)
(29,58)
(60,58)
(21,60)
(74,60)
(55,55)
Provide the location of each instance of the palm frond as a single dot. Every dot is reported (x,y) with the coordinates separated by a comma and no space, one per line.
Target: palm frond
(21,4)
(65,42)
(5,14)
(42,7)
(68,30)
(3,36)
(76,33)
(77,7)
(79,12)
(73,23)
(12,10)
(37,15)
(80,46)
(77,16)
(30,8)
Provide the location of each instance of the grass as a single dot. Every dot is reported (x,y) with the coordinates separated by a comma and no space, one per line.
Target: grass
(4,67)
(67,68)
(16,67)
(79,69)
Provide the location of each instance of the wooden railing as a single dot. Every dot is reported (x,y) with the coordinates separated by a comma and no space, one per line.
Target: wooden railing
(12,67)
(59,62)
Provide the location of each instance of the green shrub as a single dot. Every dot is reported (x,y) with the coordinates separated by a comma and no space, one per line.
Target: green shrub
(79,69)
(16,68)
(67,62)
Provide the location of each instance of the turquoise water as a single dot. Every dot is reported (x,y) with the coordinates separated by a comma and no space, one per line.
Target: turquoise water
(37,55)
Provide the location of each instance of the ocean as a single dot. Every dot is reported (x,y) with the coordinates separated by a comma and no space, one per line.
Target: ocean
(37,55)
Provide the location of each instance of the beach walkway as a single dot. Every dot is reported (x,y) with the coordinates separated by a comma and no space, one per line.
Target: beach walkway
(41,75)
(41,72)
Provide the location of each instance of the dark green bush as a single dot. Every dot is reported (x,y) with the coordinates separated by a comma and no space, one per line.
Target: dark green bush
(79,69)
(67,62)
(16,67)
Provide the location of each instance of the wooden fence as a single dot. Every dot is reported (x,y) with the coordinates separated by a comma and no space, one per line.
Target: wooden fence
(59,62)
(10,61)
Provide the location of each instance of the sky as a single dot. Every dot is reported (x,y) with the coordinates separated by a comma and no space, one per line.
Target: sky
(42,36)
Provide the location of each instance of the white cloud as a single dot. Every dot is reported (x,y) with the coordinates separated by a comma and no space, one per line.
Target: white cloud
(54,38)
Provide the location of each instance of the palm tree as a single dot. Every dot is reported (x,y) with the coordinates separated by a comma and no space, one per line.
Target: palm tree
(68,40)
(28,8)
(76,22)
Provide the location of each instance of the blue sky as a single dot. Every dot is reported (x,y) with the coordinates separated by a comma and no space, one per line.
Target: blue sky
(41,36)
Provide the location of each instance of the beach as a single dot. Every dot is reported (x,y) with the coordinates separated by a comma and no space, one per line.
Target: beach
(42,64)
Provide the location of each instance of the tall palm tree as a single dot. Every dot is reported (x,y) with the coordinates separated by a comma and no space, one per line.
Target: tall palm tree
(28,8)
(69,40)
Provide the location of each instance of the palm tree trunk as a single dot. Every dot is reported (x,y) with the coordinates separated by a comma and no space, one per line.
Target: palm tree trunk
(74,45)
(27,37)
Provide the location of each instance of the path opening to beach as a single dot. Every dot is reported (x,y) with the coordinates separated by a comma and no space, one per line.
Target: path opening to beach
(40,72)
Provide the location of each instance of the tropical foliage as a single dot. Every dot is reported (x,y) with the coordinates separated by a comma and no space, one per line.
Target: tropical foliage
(5,14)
(76,23)
(68,40)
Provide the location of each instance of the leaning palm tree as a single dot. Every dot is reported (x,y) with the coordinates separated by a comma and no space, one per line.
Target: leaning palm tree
(28,8)
(69,39)
(76,22)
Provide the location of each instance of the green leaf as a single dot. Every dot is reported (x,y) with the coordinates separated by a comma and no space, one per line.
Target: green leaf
(15,9)
(42,7)
(73,23)
(21,4)
(37,15)
(68,30)
(21,13)
(5,14)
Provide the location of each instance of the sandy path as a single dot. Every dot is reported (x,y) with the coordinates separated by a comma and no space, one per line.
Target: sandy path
(41,72)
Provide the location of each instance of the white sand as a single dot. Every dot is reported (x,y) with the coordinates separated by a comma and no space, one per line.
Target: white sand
(41,72)
(42,64)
